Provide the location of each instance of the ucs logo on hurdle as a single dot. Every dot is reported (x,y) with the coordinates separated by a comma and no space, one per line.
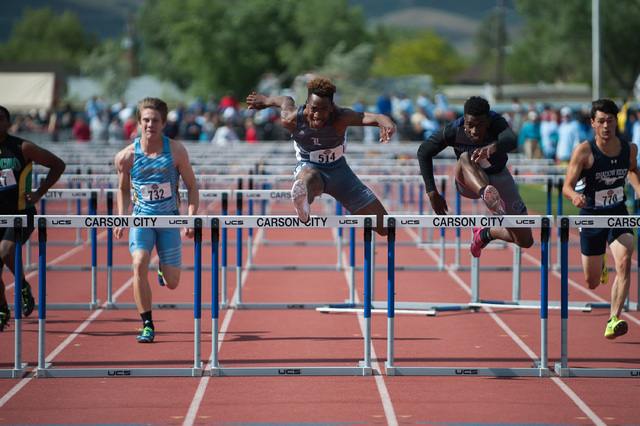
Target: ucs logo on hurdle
(289,371)
(119,372)
(465,371)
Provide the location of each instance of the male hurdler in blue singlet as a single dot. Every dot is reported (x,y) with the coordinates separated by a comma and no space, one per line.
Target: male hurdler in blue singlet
(153,164)
(319,132)
(595,181)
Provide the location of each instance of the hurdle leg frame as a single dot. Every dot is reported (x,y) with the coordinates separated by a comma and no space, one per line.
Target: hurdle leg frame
(539,370)
(362,369)
(562,368)
(46,370)
(19,368)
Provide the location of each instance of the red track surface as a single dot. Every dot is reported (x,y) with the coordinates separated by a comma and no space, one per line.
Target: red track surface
(105,338)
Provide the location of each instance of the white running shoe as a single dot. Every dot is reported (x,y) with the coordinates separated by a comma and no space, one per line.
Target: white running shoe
(492,199)
(300,200)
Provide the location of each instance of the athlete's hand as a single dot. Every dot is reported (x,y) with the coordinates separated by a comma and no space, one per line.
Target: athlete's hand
(484,152)
(32,197)
(117,232)
(579,200)
(438,203)
(188,232)
(386,132)
(256,101)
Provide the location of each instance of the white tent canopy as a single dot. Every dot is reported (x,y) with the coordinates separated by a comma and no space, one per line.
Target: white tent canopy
(22,91)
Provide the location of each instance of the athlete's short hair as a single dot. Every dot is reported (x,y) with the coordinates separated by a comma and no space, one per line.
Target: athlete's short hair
(476,106)
(153,103)
(605,105)
(6,112)
(322,87)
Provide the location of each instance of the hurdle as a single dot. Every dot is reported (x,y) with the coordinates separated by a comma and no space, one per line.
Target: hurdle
(317,222)
(18,222)
(205,194)
(75,221)
(585,221)
(517,268)
(366,222)
(542,222)
(252,195)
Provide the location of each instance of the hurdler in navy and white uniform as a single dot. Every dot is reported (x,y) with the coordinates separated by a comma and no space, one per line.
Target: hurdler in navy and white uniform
(153,166)
(319,133)
(17,198)
(595,183)
(481,140)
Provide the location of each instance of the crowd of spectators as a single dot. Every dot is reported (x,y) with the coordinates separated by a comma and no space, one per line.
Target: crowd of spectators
(553,132)
(544,131)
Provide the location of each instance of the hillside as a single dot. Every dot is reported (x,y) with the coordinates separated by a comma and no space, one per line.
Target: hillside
(457,21)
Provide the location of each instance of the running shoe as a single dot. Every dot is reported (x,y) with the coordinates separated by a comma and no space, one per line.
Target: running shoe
(477,244)
(604,276)
(160,277)
(28,303)
(300,200)
(5,316)
(147,335)
(492,199)
(615,328)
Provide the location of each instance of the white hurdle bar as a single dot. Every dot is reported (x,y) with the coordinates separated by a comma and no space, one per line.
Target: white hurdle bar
(365,222)
(585,221)
(542,222)
(241,222)
(251,195)
(77,221)
(18,222)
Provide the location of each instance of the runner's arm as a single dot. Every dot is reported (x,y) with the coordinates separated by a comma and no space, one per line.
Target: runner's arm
(41,156)
(579,159)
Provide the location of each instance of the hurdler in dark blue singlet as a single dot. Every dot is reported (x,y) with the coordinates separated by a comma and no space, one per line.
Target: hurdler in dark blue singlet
(603,186)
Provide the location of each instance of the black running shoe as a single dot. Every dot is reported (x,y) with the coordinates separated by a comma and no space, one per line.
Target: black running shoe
(28,303)
(5,316)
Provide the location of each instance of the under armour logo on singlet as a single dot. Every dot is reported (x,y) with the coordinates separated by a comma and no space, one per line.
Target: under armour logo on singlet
(316,141)
(614,161)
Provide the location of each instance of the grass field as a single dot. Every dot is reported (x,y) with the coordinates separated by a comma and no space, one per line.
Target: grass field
(535,197)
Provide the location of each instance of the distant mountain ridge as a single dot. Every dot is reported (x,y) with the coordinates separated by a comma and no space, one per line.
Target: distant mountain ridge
(455,20)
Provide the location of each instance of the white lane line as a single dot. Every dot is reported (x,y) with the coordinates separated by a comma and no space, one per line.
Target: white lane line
(383,392)
(576,400)
(190,417)
(582,288)
(31,374)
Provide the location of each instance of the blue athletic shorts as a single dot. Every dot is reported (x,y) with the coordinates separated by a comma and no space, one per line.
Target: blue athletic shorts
(593,241)
(341,183)
(166,240)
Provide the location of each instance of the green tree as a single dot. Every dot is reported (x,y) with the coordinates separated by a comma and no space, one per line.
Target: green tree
(219,45)
(425,54)
(43,36)
(107,64)
(556,43)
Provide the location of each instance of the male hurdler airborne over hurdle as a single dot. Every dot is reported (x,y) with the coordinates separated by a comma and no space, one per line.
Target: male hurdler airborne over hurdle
(480,140)
(319,131)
